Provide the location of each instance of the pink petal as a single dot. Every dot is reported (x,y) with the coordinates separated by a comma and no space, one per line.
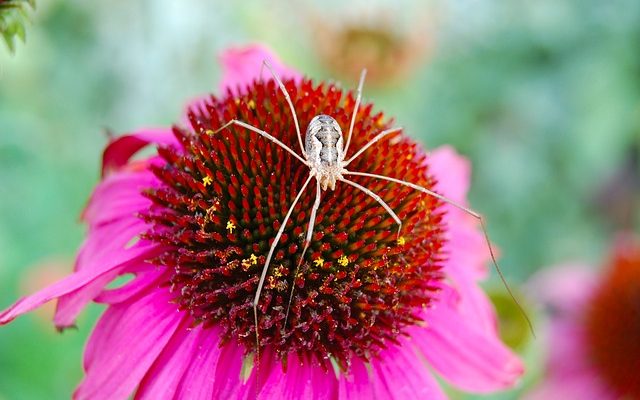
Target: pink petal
(227,378)
(463,353)
(120,150)
(401,374)
(119,196)
(240,66)
(127,340)
(301,381)
(467,250)
(199,381)
(113,224)
(71,283)
(145,280)
(164,376)
(261,373)
(357,383)
(105,241)
(452,171)
(70,305)
(466,263)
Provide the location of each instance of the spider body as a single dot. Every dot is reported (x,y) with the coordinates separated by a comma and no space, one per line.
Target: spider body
(324,150)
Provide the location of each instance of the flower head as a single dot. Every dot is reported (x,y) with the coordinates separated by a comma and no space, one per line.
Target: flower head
(595,328)
(194,224)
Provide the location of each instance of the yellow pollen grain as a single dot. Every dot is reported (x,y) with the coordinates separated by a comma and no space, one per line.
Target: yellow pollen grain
(209,132)
(230,226)
(409,157)
(379,121)
(247,262)
(251,104)
(319,262)
(344,261)
(237,101)
(207,180)
(401,241)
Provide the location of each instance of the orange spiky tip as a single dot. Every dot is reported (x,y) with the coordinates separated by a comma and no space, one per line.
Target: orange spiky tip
(613,322)
(224,195)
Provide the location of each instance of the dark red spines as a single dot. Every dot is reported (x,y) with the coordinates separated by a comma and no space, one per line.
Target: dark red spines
(224,196)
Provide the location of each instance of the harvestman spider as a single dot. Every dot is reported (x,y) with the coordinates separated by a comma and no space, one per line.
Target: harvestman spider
(324,154)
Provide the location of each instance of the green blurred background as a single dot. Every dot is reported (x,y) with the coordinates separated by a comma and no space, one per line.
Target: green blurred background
(543,97)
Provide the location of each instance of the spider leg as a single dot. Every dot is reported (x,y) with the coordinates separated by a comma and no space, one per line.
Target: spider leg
(268,261)
(466,210)
(307,240)
(379,200)
(371,142)
(263,134)
(286,95)
(363,74)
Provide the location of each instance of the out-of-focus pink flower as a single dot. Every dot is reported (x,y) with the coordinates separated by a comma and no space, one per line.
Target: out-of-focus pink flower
(594,333)
(193,224)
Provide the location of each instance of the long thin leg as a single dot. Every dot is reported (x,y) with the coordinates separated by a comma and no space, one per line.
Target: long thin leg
(468,211)
(307,240)
(370,143)
(266,264)
(363,74)
(379,200)
(293,110)
(263,134)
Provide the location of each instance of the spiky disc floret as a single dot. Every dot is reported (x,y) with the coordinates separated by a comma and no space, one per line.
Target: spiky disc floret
(224,196)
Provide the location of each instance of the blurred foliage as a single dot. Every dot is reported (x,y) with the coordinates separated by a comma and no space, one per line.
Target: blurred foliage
(543,97)
(13,16)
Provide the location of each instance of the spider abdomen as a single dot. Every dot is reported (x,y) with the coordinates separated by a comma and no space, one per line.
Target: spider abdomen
(323,143)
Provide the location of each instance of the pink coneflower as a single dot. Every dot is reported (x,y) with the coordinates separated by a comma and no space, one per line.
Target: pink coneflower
(594,334)
(372,314)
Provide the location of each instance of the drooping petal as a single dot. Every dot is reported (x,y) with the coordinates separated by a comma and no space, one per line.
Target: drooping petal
(463,353)
(125,343)
(73,282)
(240,66)
(400,374)
(113,225)
(120,150)
(72,303)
